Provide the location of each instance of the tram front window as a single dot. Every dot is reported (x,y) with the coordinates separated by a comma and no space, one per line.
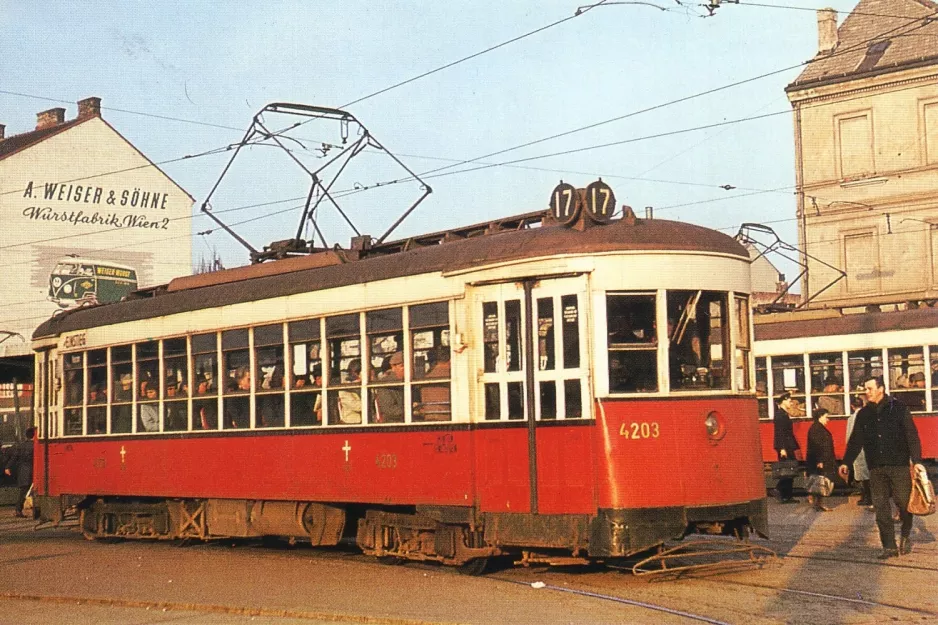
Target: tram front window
(633,343)
(698,335)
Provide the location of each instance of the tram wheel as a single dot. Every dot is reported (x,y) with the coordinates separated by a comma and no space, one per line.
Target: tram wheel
(474,567)
(392,560)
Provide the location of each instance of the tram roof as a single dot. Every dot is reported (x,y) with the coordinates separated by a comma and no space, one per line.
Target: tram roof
(780,326)
(336,268)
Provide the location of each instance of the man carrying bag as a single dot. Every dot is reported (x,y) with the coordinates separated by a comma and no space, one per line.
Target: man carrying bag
(885,431)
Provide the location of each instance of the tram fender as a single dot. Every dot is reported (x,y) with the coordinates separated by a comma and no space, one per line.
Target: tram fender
(619,533)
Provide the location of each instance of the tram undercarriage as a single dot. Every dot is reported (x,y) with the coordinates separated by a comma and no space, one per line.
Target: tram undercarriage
(453,536)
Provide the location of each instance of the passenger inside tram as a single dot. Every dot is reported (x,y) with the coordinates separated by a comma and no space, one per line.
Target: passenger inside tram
(832,402)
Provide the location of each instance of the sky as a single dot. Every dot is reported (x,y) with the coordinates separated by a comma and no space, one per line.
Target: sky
(185,79)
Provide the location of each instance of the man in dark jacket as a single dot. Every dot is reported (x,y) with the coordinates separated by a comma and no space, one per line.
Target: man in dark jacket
(885,432)
(20,464)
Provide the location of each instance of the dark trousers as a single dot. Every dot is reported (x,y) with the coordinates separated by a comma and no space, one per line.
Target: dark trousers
(21,498)
(785,485)
(895,484)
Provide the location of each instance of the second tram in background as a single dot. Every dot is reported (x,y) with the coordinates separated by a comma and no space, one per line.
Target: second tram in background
(558,386)
(822,357)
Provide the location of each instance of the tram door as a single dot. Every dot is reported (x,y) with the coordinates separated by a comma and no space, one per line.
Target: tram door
(533,391)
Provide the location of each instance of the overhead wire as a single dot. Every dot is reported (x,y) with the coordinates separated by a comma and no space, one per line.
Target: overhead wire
(516,161)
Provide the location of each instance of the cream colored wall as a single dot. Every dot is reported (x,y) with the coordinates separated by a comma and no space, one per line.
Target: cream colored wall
(903,184)
(155,239)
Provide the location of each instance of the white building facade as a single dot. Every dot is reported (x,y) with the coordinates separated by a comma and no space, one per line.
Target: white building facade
(79,191)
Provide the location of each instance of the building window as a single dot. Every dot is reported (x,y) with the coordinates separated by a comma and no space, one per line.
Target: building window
(855,145)
(860,261)
(930,121)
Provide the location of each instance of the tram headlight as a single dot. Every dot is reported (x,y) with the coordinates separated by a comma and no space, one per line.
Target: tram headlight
(716,426)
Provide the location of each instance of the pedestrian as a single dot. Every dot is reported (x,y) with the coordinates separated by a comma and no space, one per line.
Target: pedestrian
(885,431)
(861,473)
(785,444)
(819,456)
(20,462)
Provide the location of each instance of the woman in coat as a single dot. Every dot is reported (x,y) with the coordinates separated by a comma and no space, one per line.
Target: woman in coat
(785,444)
(820,458)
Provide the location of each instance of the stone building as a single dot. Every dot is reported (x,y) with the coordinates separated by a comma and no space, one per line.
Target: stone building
(866,149)
(85,217)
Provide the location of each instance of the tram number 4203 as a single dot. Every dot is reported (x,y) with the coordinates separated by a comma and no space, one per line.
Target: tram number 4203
(386,461)
(644,429)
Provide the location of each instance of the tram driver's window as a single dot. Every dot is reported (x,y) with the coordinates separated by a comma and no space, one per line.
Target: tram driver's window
(632,342)
(741,365)
(698,340)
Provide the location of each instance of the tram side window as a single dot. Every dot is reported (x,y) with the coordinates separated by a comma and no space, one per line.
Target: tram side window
(698,336)
(73,368)
(344,397)
(907,376)
(268,376)
(205,382)
(122,389)
(306,405)
(932,375)
(762,387)
(827,382)
(864,364)
(236,360)
(97,391)
(741,366)
(176,385)
(788,377)
(148,385)
(632,342)
(386,370)
(430,347)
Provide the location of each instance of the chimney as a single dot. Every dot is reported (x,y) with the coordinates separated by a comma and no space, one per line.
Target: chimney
(89,107)
(2,132)
(52,117)
(826,31)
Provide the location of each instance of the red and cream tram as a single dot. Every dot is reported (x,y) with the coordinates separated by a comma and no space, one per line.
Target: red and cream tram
(554,386)
(820,355)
